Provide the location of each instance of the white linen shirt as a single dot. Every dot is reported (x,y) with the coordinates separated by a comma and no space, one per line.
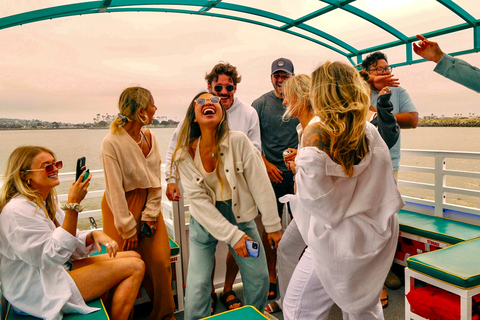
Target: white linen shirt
(250,188)
(32,254)
(350,223)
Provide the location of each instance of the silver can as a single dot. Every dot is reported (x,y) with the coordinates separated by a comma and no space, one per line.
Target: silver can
(286,152)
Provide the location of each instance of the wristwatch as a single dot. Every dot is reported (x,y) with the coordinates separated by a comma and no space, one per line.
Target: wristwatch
(72,206)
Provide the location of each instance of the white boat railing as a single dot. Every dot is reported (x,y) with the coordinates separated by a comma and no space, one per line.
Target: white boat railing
(436,169)
(441,170)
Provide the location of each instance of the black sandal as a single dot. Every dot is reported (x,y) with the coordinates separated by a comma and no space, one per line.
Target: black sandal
(213,299)
(230,303)
(273,288)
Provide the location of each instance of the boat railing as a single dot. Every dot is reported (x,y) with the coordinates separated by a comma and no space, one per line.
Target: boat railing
(446,183)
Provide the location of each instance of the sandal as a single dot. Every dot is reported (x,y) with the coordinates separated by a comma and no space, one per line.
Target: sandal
(384,297)
(213,300)
(272,291)
(229,303)
(272,307)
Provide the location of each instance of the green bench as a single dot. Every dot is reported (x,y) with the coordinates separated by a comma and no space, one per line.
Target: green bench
(455,269)
(442,231)
(242,313)
(97,315)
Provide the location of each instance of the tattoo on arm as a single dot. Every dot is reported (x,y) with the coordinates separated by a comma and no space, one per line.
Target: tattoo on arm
(314,137)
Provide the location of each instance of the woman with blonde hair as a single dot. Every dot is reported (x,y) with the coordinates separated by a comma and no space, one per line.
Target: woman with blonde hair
(226,182)
(44,269)
(345,206)
(296,98)
(131,206)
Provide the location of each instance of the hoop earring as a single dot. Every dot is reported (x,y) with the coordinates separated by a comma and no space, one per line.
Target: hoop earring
(28,181)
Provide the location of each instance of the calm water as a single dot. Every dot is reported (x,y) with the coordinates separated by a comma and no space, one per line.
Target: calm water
(72,144)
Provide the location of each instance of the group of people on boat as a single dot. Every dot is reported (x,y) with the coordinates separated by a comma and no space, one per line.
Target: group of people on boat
(340,128)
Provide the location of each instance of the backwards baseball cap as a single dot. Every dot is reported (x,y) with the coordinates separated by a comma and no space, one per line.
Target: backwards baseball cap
(282,64)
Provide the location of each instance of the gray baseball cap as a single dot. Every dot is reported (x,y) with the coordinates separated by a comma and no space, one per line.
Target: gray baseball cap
(282,64)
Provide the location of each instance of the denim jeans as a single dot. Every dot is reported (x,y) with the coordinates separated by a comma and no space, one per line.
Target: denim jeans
(202,251)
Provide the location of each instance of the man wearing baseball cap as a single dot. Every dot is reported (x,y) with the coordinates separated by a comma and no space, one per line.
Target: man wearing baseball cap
(276,136)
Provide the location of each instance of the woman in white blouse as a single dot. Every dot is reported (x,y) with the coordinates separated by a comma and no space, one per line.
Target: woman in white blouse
(345,203)
(44,269)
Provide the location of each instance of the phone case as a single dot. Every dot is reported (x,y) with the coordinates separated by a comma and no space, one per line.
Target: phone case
(146,230)
(80,167)
(252,248)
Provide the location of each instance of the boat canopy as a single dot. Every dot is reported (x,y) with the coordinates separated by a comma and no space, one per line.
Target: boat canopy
(335,24)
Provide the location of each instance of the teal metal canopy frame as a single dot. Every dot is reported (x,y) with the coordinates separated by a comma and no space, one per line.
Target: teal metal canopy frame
(233,12)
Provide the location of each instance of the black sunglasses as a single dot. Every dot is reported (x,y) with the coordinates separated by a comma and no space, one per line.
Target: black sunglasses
(219,87)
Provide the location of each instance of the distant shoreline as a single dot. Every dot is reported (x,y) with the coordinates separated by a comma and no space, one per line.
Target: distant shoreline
(445,122)
(449,122)
(69,128)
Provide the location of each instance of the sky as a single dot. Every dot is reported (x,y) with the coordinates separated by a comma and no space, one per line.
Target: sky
(69,69)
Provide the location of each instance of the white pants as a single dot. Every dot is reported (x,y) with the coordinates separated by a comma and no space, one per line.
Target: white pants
(289,251)
(306,297)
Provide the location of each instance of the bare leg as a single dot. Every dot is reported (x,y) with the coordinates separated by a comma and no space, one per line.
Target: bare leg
(230,275)
(271,258)
(94,276)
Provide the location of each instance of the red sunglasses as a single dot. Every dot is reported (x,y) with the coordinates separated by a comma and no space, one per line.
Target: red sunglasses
(50,167)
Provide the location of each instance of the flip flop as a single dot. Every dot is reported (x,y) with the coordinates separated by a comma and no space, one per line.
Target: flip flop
(213,299)
(273,288)
(272,307)
(385,297)
(228,304)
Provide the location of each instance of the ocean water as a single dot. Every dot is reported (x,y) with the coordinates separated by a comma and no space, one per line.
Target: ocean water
(70,144)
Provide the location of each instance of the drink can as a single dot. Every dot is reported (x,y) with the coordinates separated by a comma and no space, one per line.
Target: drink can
(286,152)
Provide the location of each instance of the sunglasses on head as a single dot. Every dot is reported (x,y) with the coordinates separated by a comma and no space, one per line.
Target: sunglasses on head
(219,87)
(202,101)
(50,167)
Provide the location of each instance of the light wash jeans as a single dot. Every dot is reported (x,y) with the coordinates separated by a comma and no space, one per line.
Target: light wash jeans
(202,252)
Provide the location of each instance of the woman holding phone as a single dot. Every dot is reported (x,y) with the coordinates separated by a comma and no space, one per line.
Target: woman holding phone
(225,179)
(44,269)
(131,206)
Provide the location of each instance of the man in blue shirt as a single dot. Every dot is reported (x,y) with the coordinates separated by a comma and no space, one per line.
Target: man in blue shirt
(376,64)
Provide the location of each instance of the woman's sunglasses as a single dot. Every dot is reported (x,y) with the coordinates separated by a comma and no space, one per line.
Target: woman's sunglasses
(50,167)
(219,87)
(202,101)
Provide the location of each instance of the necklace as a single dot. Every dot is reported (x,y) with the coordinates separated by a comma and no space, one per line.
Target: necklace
(141,138)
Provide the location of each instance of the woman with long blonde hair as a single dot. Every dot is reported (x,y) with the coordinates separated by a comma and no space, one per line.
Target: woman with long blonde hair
(131,206)
(226,182)
(345,206)
(44,268)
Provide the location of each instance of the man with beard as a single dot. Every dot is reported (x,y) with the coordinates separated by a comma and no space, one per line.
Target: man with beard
(277,135)
(221,81)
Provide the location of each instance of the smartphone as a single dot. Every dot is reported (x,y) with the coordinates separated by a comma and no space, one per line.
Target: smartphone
(252,248)
(146,230)
(80,168)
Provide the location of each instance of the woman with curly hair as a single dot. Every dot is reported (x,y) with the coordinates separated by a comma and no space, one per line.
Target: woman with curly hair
(345,203)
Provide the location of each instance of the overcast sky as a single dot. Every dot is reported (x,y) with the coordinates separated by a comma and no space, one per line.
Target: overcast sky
(70,69)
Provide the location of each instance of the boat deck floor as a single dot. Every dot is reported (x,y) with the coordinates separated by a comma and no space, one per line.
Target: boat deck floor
(394,311)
